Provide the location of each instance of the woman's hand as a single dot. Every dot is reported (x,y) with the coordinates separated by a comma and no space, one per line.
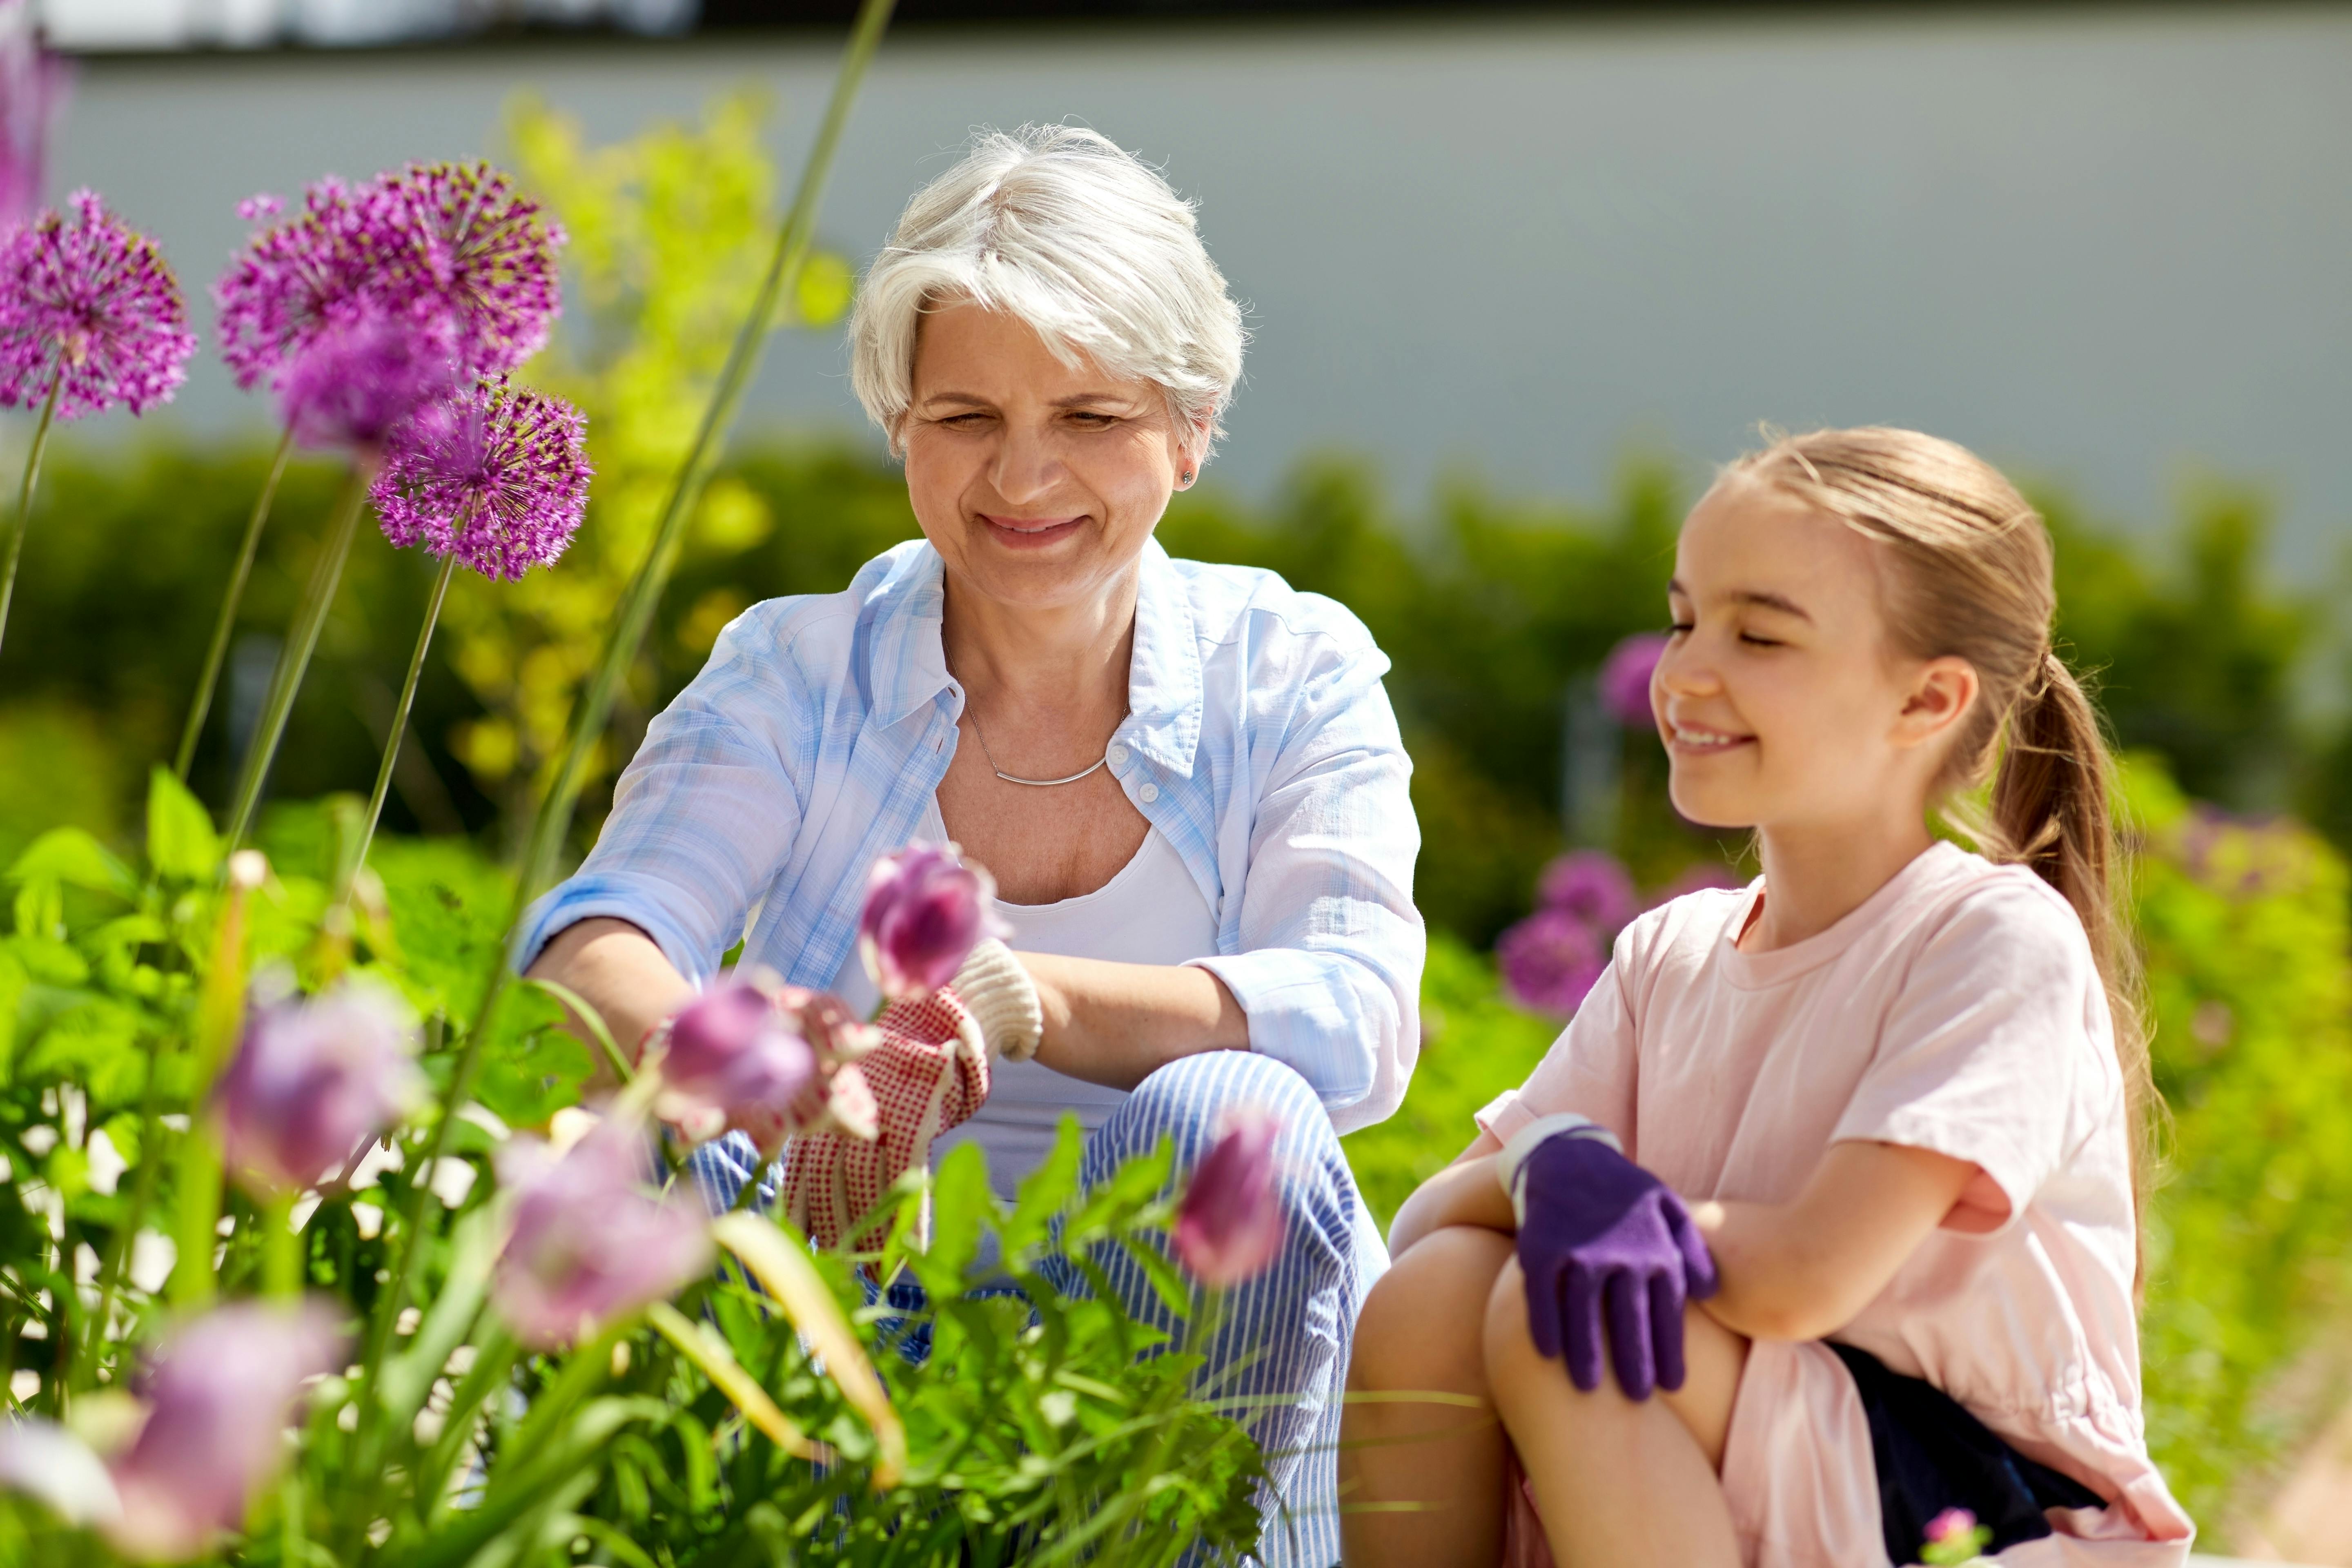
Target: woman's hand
(1116,1023)
(618,969)
(1803,1270)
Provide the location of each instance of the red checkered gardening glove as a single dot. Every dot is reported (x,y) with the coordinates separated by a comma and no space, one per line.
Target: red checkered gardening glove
(928,1071)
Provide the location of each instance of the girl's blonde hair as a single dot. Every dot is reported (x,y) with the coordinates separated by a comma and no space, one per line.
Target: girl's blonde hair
(1969,577)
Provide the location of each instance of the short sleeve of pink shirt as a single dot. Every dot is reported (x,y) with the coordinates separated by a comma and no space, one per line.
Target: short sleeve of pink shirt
(1983,1055)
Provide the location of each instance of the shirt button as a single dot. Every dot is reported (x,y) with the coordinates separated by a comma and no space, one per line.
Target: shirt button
(1117,754)
(1148,793)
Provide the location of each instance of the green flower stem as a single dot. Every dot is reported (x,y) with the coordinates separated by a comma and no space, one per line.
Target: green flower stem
(218,652)
(552,821)
(25,498)
(400,714)
(281,1250)
(294,660)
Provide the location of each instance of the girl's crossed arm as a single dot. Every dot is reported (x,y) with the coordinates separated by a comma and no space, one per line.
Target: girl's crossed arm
(1804,1269)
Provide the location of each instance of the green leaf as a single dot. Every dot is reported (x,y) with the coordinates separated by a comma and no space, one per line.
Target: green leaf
(1047,1191)
(181,843)
(532,1068)
(959,1202)
(68,856)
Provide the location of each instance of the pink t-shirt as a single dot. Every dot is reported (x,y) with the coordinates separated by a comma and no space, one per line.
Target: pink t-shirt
(1957,1009)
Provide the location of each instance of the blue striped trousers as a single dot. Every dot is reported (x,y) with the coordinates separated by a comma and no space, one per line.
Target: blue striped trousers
(1281,1341)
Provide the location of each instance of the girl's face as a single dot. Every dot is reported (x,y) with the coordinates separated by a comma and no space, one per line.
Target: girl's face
(1781,699)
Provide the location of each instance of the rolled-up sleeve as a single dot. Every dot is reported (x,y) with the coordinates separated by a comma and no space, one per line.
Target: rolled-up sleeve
(1331,948)
(701,817)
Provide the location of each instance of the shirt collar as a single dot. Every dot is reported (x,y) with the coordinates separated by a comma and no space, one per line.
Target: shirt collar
(1164,690)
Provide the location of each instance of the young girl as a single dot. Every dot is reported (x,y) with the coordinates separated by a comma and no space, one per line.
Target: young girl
(1843,1163)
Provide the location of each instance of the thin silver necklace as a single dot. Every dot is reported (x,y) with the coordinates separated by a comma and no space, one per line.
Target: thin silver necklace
(1100,763)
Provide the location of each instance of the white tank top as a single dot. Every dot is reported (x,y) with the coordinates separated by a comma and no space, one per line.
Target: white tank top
(1151,912)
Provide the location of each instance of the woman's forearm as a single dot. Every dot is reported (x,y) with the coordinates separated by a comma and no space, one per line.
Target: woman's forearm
(1116,1023)
(619,971)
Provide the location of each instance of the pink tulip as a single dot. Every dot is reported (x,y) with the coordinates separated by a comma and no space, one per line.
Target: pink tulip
(1625,679)
(1229,1226)
(219,1397)
(1954,1524)
(734,1059)
(925,911)
(589,1241)
(311,1082)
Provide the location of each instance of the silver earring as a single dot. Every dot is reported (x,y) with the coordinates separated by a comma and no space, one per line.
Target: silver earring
(1187,476)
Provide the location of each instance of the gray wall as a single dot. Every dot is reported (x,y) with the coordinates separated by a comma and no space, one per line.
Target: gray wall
(2110,247)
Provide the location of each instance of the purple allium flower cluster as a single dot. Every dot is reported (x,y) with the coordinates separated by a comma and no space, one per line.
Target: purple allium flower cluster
(363,378)
(448,253)
(1552,959)
(461,243)
(91,307)
(495,474)
(1625,679)
(33,87)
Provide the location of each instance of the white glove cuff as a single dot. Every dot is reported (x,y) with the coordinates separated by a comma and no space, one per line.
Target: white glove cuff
(1511,1163)
(1002,999)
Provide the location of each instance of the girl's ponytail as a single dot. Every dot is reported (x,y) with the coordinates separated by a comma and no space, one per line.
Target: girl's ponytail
(1969,576)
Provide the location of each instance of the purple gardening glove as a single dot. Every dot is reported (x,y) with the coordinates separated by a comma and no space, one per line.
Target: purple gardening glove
(1602,1239)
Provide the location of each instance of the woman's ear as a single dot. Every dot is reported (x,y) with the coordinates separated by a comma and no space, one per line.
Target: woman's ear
(1193,452)
(1942,693)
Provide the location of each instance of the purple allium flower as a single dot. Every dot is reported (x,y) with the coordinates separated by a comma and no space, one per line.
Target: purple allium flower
(33,87)
(1592,885)
(1550,960)
(92,302)
(461,243)
(589,1241)
(1625,679)
(295,278)
(311,1081)
(925,910)
(497,474)
(360,378)
(733,1059)
(1229,1226)
(218,1398)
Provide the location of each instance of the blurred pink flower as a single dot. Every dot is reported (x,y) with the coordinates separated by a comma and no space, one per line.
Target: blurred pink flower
(362,377)
(1625,679)
(1591,884)
(494,473)
(1952,1524)
(589,1241)
(925,910)
(41,1459)
(34,84)
(218,1395)
(732,1059)
(91,308)
(313,1081)
(1230,1226)
(1551,960)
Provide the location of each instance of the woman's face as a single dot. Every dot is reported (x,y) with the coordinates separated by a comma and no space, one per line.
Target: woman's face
(1779,697)
(1037,481)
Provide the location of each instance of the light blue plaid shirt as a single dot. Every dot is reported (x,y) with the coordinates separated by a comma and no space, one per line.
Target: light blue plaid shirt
(1259,742)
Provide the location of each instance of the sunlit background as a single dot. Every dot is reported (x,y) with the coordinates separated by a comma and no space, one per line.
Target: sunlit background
(1516,276)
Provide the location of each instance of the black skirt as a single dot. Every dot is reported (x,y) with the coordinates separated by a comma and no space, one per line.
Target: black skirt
(1932,1455)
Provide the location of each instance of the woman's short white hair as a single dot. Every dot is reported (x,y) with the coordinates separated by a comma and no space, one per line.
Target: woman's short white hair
(1083,241)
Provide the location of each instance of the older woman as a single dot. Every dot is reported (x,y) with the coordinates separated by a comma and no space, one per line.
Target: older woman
(1186,779)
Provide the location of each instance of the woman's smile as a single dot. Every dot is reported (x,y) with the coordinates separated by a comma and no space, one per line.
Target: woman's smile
(1697,740)
(1031,533)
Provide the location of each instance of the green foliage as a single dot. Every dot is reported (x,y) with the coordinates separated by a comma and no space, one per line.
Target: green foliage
(2250,981)
(1474,1046)
(1047,1426)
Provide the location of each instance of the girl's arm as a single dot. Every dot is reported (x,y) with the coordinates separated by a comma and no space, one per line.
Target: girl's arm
(1804,1270)
(1465,1193)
